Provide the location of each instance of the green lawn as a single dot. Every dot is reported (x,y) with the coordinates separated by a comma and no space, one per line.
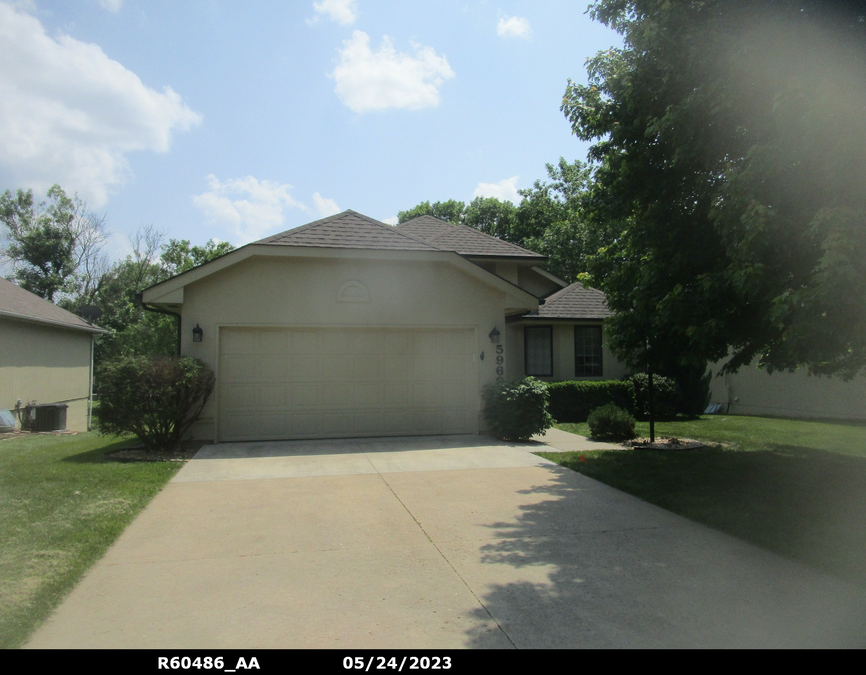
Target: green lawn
(61,507)
(795,487)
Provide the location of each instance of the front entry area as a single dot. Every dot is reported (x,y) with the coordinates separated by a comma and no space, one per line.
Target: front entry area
(295,383)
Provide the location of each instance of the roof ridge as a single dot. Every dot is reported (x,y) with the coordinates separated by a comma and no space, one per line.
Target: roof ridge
(474,230)
(393,228)
(274,238)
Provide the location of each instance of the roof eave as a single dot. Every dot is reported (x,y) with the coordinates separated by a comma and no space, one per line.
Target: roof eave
(50,322)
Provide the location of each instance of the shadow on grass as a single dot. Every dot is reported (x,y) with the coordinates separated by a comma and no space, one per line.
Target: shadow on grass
(803,503)
(98,455)
(586,566)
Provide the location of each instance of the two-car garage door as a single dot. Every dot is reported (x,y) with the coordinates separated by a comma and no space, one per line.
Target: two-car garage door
(277,383)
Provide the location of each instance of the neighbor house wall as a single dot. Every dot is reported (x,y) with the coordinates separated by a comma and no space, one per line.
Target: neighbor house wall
(753,391)
(45,364)
(296,291)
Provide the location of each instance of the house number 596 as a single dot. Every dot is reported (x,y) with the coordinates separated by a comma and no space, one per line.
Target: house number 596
(500,362)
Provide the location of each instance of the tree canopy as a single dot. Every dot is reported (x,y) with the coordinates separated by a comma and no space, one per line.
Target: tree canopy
(730,154)
(54,246)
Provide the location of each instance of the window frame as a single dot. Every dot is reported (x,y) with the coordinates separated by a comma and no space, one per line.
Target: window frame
(538,330)
(580,357)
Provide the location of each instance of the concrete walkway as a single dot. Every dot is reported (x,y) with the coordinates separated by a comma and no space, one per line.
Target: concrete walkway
(436,542)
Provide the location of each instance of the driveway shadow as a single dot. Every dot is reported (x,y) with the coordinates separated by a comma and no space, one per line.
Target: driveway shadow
(620,572)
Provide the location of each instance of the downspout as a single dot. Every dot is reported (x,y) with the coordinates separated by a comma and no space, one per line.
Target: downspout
(90,398)
(140,300)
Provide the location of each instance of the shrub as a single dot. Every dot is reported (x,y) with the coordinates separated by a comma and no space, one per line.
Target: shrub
(156,398)
(611,421)
(667,396)
(516,410)
(573,401)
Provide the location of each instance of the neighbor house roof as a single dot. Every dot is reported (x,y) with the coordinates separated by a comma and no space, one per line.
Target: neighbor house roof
(463,240)
(349,229)
(17,303)
(572,302)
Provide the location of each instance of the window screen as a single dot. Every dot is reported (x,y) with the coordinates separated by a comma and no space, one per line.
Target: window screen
(538,350)
(587,351)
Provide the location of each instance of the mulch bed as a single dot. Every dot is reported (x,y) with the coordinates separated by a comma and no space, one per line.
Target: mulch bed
(139,454)
(664,443)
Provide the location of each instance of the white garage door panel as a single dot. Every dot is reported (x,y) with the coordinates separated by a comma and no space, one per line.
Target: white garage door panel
(320,383)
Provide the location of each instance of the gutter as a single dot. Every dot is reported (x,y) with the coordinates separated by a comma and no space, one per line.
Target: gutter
(139,298)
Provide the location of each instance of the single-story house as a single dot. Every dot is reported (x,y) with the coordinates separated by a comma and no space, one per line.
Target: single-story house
(46,355)
(350,327)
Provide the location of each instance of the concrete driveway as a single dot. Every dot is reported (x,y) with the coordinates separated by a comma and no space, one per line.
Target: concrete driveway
(437,542)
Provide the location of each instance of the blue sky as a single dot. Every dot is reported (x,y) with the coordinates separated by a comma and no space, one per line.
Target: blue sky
(235,120)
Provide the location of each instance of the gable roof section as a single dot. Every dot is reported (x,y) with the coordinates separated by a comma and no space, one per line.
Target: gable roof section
(17,303)
(573,302)
(349,230)
(463,240)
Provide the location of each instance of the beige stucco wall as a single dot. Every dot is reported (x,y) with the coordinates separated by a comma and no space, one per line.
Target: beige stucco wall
(563,354)
(45,364)
(295,291)
(752,391)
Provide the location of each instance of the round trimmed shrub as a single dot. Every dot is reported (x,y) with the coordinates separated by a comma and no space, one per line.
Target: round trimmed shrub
(517,410)
(611,421)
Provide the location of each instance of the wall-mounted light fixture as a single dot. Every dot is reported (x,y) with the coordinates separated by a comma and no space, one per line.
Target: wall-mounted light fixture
(494,335)
(197,333)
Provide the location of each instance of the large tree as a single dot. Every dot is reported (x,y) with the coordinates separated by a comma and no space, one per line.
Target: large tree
(55,246)
(730,143)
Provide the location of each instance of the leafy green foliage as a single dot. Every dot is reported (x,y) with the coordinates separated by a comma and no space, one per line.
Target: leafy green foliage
(729,148)
(573,401)
(611,421)
(156,398)
(516,410)
(54,245)
(179,256)
(133,331)
(667,396)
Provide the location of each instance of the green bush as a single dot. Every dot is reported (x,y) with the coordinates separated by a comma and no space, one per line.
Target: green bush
(516,410)
(611,421)
(157,398)
(573,401)
(667,396)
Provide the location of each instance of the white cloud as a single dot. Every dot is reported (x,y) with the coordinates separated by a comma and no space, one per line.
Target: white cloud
(247,207)
(368,80)
(504,190)
(343,12)
(70,114)
(111,5)
(513,26)
(393,220)
(325,207)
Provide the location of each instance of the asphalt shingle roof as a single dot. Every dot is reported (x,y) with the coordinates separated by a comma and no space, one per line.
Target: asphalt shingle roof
(15,302)
(573,302)
(349,230)
(461,239)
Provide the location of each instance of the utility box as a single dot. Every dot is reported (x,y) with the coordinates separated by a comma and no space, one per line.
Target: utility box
(49,417)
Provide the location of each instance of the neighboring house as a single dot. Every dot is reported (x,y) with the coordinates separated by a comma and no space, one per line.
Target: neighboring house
(350,327)
(753,391)
(45,354)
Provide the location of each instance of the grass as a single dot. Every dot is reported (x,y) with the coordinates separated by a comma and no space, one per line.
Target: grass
(61,506)
(794,487)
